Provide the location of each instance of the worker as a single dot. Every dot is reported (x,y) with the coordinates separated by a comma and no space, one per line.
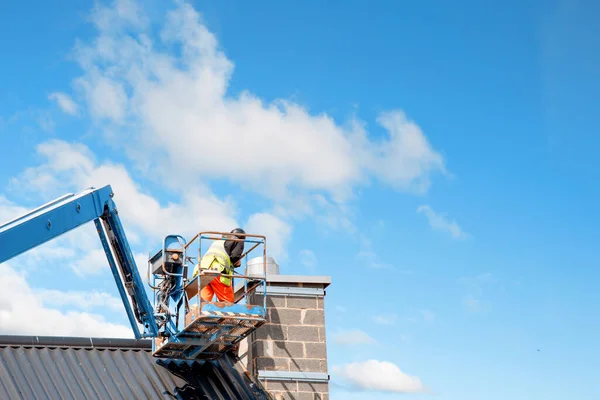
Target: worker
(222,256)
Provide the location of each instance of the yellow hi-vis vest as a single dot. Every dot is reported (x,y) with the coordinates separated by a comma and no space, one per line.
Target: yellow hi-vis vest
(216,259)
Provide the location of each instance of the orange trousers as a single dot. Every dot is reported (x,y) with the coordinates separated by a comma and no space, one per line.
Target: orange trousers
(216,287)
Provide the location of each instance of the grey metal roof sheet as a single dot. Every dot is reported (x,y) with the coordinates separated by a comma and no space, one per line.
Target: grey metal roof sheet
(86,368)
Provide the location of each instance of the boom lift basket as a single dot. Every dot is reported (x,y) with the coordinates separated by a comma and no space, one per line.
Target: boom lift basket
(208,328)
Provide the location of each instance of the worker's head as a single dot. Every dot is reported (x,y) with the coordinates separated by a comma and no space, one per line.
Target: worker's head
(237,231)
(235,246)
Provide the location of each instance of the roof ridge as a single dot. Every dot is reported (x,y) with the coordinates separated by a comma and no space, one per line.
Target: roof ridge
(74,342)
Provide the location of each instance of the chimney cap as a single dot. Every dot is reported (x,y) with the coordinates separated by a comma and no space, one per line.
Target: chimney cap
(256,266)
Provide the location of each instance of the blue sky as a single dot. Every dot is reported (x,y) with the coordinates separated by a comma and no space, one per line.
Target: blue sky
(473,272)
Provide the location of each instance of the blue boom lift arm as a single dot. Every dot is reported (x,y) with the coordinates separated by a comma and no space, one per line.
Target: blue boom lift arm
(181,330)
(69,212)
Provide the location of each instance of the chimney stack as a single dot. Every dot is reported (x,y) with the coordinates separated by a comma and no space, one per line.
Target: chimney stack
(289,353)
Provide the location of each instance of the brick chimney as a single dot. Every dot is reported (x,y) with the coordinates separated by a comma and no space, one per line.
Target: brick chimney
(289,353)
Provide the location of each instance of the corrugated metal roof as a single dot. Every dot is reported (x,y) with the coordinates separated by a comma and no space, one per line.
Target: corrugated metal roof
(82,368)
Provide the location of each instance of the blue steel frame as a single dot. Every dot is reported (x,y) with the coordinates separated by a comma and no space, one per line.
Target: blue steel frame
(68,212)
(175,303)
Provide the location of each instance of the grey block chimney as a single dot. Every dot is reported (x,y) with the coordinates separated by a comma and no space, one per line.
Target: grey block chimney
(289,353)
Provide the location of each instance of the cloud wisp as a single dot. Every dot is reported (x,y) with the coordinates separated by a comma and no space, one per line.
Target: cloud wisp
(308,259)
(79,299)
(352,337)
(65,102)
(378,376)
(387,319)
(441,222)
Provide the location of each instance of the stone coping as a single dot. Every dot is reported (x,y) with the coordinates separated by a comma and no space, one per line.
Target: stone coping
(293,279)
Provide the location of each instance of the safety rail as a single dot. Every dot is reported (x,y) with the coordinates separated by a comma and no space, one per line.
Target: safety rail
(251,282)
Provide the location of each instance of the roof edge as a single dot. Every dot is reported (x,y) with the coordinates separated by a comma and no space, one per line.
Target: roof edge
(74,342)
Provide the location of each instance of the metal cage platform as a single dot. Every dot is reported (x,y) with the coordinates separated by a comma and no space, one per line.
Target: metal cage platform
(210,330)
(207,330)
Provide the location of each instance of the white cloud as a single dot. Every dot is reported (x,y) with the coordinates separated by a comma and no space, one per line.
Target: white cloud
(22,312)
(441,222)
(331,216)
(127,10)
(185,117)
(176,114)
(371,259)
(79,247)
(308,258)
(388,319)
(45,122)
(94,260)
(80,250)
(9,210)
(383,376)
(105,97)
(65,102)
(407,158)
(80,299)
(72,167)
(171,111)
(68,167)
(276,231)
(352,337)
